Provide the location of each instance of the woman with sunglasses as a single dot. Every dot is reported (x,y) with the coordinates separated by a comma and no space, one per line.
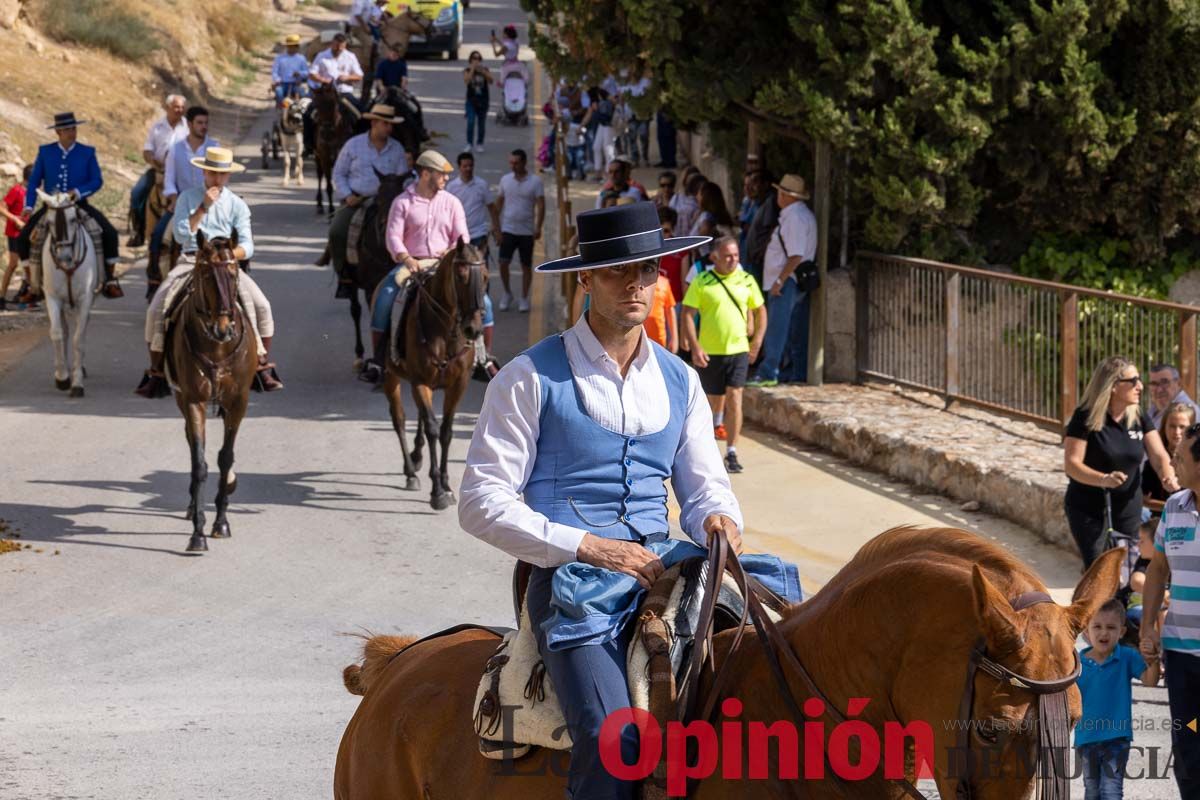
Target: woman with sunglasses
(1106,441)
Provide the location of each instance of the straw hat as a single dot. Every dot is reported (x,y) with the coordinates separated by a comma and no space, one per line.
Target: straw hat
(384,113)
(793,185)
(218,159)
(292,40)
(432,159)
(622,234)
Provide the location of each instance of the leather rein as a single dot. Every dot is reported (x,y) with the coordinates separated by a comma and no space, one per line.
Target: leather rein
(455,317)
(1053,724)
(76,244)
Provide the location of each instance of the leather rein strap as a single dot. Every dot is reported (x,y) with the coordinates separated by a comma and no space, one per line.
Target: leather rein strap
(1053,723)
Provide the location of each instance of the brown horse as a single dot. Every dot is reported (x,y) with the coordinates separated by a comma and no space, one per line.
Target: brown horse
(211,357)
(444,317)
(412,737)
(333,129)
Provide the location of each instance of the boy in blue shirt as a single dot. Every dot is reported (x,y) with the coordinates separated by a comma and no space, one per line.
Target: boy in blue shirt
(1105,730)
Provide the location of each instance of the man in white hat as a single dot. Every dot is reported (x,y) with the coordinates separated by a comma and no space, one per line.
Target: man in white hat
(423,223)
(356,179)
(793,245)
(289,70)
(569,457)
(218,213)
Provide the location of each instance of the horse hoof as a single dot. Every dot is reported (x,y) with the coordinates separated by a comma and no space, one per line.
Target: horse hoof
(440,502)
(358,365)
(412,484)
(76,391)
(220,530)
(197,544)
(62,385)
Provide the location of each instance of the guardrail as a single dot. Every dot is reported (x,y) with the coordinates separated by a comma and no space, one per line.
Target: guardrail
(1017,345)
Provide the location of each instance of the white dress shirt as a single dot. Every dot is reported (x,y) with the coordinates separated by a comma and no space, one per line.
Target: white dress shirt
(798,229)
(162,136)
(504,447)
(180,173)
(327,65)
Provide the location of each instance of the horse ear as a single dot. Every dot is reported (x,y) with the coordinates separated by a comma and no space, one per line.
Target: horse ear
(1097,586)
(458,249)
(200,240)
(995,615)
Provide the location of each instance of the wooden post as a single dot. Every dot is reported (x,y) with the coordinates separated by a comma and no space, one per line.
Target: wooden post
(1187,352)
(1069,324)
(953,286)
(862,321)
(816,322)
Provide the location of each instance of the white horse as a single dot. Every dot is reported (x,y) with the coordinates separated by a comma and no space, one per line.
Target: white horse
(70,265)
(291,139)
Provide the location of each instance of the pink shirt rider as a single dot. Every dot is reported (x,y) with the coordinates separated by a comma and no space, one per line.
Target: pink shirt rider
(425,228)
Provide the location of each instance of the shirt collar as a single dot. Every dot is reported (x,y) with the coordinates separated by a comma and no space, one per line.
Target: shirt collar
(595,351)
(66,150)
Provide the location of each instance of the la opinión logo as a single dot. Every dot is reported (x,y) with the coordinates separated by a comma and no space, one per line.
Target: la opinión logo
(853,749)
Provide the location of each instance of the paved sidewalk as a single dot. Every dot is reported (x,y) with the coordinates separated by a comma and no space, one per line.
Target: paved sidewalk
(1010,468)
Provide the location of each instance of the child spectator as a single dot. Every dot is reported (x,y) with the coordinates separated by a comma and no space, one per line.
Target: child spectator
(1137,578)
(1105,729)
(14,204)
(662,325)
(576,152)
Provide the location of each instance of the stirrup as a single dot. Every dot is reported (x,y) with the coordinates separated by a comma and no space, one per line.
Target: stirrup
(372,372)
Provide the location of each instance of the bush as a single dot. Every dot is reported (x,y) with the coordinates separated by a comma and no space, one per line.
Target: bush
(237,24)
(101,24)
(1100,263)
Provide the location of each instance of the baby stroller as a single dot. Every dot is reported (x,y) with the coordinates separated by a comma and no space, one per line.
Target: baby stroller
(514,108)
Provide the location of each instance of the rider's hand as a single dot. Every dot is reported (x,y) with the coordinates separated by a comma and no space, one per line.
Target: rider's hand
(629,558)
(353,200)
(211,194)
(699,357)
(719,522)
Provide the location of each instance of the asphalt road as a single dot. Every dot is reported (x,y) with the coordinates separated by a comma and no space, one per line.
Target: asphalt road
(131,670)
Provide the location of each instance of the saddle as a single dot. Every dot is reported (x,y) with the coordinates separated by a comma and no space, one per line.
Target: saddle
(395,338)
(516,708)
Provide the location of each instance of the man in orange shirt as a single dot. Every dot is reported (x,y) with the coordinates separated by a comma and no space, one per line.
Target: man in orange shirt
(662,325)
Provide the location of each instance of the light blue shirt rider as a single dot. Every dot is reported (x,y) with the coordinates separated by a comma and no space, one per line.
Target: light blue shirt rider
(228,214)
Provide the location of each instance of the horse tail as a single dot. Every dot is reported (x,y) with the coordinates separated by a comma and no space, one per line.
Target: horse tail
(377,654)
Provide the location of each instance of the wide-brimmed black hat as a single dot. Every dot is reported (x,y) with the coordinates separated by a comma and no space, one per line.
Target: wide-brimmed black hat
(66,120)
(620,235)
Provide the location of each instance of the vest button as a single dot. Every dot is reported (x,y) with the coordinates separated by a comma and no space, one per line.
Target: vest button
(629,481)
(629,462)
(632,442)
(626,518)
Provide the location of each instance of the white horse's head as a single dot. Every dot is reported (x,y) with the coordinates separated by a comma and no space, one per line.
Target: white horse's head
(57,200)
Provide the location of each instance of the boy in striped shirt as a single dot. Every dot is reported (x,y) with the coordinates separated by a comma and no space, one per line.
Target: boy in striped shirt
(1177,558)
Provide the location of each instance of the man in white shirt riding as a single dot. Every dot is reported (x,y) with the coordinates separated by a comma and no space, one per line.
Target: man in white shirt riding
(569,457)
(338,67)
(165,131)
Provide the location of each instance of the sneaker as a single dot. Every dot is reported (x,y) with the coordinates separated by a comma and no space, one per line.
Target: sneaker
(524,306)
(731,462)
(719,432)
(506,302)
(479,148)
(762,383)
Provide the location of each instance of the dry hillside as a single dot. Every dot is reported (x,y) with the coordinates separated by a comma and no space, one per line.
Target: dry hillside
(112,62)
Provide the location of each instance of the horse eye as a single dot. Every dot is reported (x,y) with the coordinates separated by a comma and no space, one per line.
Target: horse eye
(988,731)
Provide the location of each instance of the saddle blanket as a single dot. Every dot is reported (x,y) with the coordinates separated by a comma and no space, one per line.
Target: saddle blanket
(37,239)
(516,707)
(357,222)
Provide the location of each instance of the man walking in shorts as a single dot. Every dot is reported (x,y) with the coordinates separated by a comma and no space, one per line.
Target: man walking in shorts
(733,320)
(520,210)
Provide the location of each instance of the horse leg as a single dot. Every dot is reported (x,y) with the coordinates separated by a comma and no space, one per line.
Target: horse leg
(320,175)
(78,328)
(395,395)
(424,397)
(195,436)
(450,397)
(234,413)
(418,457)
(54,311)
(356,315)
(287,167)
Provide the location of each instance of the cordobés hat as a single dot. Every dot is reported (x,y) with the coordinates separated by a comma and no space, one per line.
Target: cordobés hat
(383,112)
(65,120)
(292,39)
(793,185)
(218,159)
(609,237)
(432,159)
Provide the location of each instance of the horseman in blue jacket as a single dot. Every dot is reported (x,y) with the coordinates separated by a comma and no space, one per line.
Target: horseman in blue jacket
(67,166)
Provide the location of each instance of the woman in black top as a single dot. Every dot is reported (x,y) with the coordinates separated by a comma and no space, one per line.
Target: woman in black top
(1175,420)
(477,77)
(1106,440)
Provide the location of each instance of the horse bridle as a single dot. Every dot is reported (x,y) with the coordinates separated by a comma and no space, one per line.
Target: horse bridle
(1054,724)
(458,317)
(75,245)
(227,294)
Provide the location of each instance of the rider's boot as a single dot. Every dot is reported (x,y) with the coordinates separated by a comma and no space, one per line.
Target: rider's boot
(266,379)
(111,288)
(372,370)
(154,381)
(345,287)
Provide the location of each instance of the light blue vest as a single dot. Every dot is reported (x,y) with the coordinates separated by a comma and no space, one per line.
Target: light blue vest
(588,477)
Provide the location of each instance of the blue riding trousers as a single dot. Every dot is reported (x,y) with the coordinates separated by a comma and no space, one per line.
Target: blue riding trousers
(385,298)
(590,682)
(141,192)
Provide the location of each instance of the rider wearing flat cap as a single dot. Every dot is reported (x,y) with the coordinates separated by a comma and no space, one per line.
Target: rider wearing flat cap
(569,457)
(68,166)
